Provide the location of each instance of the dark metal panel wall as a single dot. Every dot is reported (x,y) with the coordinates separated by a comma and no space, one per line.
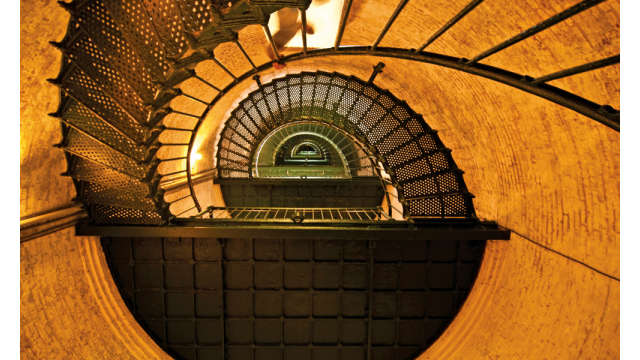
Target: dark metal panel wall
(304,193)
(293,299)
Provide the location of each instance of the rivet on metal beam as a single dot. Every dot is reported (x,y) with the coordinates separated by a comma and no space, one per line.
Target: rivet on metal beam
(376,70)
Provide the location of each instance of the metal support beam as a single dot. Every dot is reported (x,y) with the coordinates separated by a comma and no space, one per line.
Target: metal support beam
(206,83)
(246,55)
(174,144)
(175,128)
(183,113)
(450,23)
(172,173)
(578,69)
(343,23)
(178,199)
(398,231)
(173,159)
(583,5)
(273,44)
(393,17)
(303,15)
(223,67)
(193,97)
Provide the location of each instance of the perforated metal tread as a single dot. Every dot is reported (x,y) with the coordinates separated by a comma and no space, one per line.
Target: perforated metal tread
(120,61)
(82,118)
(86,147)
(108,214)
(99,194)
(90,171)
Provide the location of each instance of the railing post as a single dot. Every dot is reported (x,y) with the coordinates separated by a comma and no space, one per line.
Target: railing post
(376,70)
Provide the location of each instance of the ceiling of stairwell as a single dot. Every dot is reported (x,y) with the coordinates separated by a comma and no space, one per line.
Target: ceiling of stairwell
(543,170)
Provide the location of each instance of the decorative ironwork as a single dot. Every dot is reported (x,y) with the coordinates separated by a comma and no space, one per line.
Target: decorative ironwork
(122,62)
(401,140)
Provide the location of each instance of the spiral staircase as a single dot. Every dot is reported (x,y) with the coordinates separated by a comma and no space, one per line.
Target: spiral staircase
(129,68)
(123,64)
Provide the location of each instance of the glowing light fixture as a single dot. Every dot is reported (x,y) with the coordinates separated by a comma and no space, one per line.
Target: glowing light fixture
(322,15)
(196,156)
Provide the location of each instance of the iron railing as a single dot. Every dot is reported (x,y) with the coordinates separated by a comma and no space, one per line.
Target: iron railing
(122,62)
(397,137)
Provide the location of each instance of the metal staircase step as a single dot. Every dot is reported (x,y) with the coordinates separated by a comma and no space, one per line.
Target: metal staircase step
(85,170)
(126,198)
(86,90)
(82,145)
(107,214)
(83,119)
(448,205)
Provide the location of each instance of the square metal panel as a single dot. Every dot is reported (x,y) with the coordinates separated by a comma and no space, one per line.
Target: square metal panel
(292,299)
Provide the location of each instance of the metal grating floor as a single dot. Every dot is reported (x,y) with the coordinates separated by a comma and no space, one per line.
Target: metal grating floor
(293,299)
(287,215)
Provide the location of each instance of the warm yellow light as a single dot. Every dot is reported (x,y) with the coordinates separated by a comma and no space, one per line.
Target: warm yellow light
(196,157)
(323,16)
